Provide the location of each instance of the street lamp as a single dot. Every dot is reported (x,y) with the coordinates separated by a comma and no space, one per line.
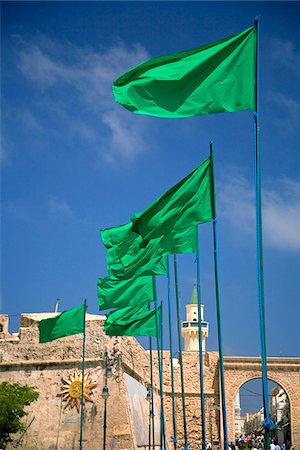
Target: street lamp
(213,406)
(105,395)
(149,399)
(109,371)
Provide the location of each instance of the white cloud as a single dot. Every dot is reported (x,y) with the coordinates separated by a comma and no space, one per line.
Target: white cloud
(280,209)
(78,81)
(59,208)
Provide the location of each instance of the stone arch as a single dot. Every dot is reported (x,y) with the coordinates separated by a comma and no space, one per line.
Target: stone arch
(236,374)
(269,379)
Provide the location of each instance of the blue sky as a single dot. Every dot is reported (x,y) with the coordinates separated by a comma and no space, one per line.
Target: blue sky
(74,162)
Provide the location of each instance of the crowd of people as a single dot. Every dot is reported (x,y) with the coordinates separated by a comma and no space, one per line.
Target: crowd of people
(253,442)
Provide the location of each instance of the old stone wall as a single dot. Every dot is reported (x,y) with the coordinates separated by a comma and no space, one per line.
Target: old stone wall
(52,426)
(43,366)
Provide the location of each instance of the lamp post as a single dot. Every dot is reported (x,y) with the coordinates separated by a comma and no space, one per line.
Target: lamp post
(149,399)
(105,395)
(213,406)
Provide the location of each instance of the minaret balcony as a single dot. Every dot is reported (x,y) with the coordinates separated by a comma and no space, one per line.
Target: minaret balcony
(192,327)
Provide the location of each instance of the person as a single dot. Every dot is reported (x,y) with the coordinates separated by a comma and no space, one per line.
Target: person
(277,446)
(232,446)
(283,446)
(272,446)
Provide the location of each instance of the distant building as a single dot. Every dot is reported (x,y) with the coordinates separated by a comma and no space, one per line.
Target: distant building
(189,327)
(278,402)
(238,419)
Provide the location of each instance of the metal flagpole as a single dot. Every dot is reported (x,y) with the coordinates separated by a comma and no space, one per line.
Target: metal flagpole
(152,392)
(171,357)
(105,396)
(203,428)
(159,367)
(82,381)
(162,372)
(219,322)
(267,424)
(180,354)
(149,424)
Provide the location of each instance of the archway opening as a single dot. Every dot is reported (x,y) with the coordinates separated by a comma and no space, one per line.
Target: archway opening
(249,415)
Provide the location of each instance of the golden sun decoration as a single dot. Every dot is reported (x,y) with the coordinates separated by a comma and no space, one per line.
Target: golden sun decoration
(72,389)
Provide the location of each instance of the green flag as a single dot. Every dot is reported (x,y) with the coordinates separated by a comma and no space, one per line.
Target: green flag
(182,241)
(155,266)
(210,79)
(121,240)
(116,235)
(128,254)
(119,293)
(64,324)
(188,203)
(132,321)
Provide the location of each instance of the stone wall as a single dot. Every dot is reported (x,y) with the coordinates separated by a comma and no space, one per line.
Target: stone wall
(43,366)
(52,426)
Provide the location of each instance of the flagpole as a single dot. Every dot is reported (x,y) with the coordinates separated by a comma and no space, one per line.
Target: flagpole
(149,424)
(162,370)
(82,381)
(152,391)
(267,424)
(174,440)
(218,308)
(202,400)
(159,367)
(180,354)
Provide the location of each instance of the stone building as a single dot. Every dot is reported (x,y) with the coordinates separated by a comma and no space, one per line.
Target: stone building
(51,425)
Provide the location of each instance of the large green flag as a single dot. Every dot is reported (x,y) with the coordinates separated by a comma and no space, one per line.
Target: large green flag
(115,235)
(210,79)
(64,324)
(120,293)
(129,249)
(182,241)
(156,266)
(121,240)
(132,321)
(188,203)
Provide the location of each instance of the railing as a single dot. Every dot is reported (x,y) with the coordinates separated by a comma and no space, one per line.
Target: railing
(193,324)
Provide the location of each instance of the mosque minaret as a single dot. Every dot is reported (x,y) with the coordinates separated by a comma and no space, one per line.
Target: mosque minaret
(189,327)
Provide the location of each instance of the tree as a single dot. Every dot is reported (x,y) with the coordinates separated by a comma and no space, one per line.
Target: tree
(13,399)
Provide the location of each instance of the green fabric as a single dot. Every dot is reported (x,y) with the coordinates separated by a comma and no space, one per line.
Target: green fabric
(129,256)
(182,241)
(121,240)
(156,266)
(115,235)
(121,293)
(65,324)
(132,321)
(209,79)
(187,203)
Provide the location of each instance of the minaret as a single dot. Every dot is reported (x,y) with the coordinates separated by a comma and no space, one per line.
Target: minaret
(189,327)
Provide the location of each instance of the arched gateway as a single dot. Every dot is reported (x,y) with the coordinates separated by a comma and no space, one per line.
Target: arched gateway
(284,371)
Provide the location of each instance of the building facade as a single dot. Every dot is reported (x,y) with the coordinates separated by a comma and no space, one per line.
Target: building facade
(53,420)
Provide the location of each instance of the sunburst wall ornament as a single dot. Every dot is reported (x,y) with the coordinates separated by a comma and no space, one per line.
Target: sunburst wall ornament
(72,389)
